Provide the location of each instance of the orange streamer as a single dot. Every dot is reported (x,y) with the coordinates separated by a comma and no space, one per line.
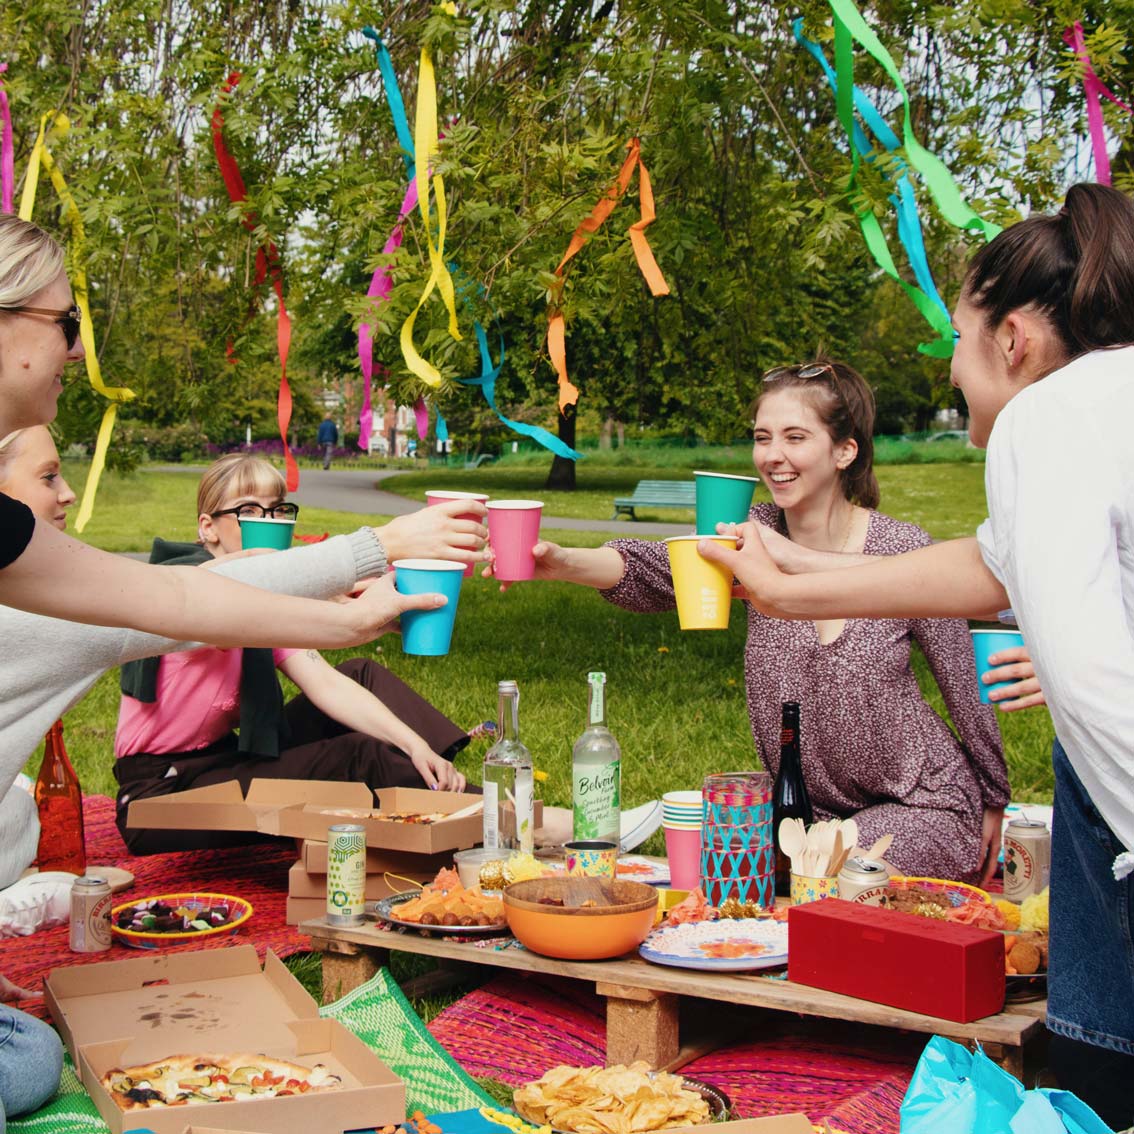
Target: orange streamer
(647,265)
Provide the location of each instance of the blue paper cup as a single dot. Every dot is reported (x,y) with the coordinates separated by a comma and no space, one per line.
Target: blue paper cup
(986,643)
(428,632)
(722,498)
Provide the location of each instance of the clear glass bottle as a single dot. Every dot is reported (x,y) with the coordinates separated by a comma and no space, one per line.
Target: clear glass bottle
(62,845)
(789,793)
(508,791)
(596,772)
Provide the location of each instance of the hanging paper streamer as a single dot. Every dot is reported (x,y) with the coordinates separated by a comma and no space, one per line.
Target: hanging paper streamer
(379,292)
(938,180)
(425,147)
(925,296)
(267,263)
(647,265)
(41,155)
(7,151)
(1093,87)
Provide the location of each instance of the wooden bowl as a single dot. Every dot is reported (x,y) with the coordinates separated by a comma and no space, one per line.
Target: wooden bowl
(576,932)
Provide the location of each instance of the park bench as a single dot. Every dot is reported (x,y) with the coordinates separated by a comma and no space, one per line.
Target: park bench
(656,494)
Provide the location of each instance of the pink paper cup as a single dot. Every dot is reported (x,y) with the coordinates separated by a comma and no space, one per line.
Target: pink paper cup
(683,849)
(513,530)
(442,496)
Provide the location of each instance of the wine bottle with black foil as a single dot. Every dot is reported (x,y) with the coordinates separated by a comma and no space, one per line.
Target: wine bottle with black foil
(789,794)
(59,798)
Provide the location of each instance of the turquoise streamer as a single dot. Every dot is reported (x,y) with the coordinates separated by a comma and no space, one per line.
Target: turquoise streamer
(394,100)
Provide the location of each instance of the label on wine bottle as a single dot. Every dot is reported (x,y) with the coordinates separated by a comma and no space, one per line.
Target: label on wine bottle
(596,792)
(491,815)
(525,810)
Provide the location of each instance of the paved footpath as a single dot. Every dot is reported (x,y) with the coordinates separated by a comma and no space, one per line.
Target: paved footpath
(360,490)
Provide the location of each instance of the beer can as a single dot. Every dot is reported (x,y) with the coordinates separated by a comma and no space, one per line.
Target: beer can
(90,914)
(346,874)
(1027,858)
(863,882)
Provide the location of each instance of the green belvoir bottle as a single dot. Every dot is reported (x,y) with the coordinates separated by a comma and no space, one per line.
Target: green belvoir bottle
(596,772)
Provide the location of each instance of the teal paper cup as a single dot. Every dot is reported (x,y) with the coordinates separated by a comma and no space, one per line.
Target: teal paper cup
(722,498)
(986,643)
(266,532)
(428,633)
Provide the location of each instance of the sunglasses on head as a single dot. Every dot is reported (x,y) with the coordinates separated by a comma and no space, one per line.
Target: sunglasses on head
(814,370)
(68,321)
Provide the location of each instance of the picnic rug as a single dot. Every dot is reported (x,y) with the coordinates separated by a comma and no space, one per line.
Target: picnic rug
(257,873)
(376,1012)
(851,1076)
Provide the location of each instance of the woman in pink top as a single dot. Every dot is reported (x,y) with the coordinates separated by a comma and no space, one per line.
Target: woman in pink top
(176,723)
(871,745)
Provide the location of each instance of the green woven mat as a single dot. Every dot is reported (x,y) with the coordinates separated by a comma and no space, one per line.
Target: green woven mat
(377,1012)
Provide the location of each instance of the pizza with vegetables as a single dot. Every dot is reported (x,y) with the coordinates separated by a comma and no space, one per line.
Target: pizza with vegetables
(179,1080)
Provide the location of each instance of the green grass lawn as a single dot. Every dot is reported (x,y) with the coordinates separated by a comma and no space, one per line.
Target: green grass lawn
(676,701)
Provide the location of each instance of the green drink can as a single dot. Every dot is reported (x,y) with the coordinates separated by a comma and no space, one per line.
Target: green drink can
(346,874)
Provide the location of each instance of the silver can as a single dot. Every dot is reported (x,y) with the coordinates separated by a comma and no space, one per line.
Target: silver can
(346,874)
(1027,858)
(90,914)
(863,882)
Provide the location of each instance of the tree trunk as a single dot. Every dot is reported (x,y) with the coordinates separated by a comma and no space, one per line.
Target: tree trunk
(606,433)
(562,474)
(620,429)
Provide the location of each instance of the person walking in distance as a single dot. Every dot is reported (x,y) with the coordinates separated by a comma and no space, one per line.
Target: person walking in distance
(328,437)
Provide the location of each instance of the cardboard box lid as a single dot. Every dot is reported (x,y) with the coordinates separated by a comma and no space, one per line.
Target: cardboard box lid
(772,1124)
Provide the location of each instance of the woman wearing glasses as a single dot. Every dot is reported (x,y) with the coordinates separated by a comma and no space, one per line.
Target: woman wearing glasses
(872,747)
(355,722)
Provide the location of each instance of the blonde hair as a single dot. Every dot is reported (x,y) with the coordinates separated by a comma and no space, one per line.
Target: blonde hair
(237,474)
(30,260)
(8,449)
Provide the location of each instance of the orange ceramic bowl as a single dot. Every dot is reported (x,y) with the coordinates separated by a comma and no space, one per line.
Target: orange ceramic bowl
(590,933)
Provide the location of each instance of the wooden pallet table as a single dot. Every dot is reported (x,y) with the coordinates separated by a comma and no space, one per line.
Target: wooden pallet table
(642,999)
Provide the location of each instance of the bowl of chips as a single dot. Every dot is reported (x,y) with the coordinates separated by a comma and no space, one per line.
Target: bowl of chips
(580,919)
(617,1100)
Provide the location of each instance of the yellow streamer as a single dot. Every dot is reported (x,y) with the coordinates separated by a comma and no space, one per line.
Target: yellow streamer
(425,147)
(41,155)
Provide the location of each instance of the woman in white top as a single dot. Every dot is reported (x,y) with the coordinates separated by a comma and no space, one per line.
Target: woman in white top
(1045,359)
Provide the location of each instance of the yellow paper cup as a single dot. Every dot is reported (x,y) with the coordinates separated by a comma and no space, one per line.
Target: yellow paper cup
(703,590)
(594,859)
(812,889)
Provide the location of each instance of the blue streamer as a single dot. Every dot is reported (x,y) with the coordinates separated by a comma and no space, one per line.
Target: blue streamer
(394,99)
(903,200)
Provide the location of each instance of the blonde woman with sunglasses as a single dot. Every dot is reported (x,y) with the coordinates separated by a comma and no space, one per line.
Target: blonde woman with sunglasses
(872,747)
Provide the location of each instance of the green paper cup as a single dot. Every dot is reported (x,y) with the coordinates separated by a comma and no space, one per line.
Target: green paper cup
(722,498)
(703,590)
(266,532)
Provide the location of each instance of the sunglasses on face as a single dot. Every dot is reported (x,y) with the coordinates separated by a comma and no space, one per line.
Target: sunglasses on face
(68,321)
(284,511)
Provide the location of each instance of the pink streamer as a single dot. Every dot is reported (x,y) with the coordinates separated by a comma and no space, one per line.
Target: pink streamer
(1093,87)
(421,415)
(380,287)
(7,153)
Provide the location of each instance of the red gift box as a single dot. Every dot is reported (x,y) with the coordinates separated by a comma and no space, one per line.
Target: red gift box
(922,964)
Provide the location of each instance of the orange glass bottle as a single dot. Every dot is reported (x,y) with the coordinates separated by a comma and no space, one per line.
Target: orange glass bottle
(62,845)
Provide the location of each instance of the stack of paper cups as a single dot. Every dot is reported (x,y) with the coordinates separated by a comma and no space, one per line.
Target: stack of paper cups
(681,818)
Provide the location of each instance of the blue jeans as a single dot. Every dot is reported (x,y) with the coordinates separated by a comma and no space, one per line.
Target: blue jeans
(31,1061)
(1091,976)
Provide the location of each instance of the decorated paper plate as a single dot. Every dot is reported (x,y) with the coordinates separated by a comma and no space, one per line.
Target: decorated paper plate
(173,919)
(958,893)
(387,911)
(727,945)
(636,868)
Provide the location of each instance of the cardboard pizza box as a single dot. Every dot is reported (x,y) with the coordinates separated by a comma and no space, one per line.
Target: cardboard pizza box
(117,1013)
(313,855)
(301,884)
(311,818)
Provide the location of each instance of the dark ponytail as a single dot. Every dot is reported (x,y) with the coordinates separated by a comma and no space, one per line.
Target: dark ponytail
(1076,266)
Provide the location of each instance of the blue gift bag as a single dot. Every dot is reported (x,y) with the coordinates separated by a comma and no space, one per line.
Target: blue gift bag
(956,1091)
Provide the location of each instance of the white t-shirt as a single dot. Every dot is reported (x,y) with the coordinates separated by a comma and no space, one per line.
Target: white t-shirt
(1060,538)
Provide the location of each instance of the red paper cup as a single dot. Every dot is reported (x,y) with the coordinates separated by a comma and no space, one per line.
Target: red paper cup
(683,849)
(513,530)
(440,496)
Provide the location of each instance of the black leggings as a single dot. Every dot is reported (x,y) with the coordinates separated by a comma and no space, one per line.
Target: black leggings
(319,748)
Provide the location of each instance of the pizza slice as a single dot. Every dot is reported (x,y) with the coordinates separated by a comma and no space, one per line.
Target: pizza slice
(181,1080)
